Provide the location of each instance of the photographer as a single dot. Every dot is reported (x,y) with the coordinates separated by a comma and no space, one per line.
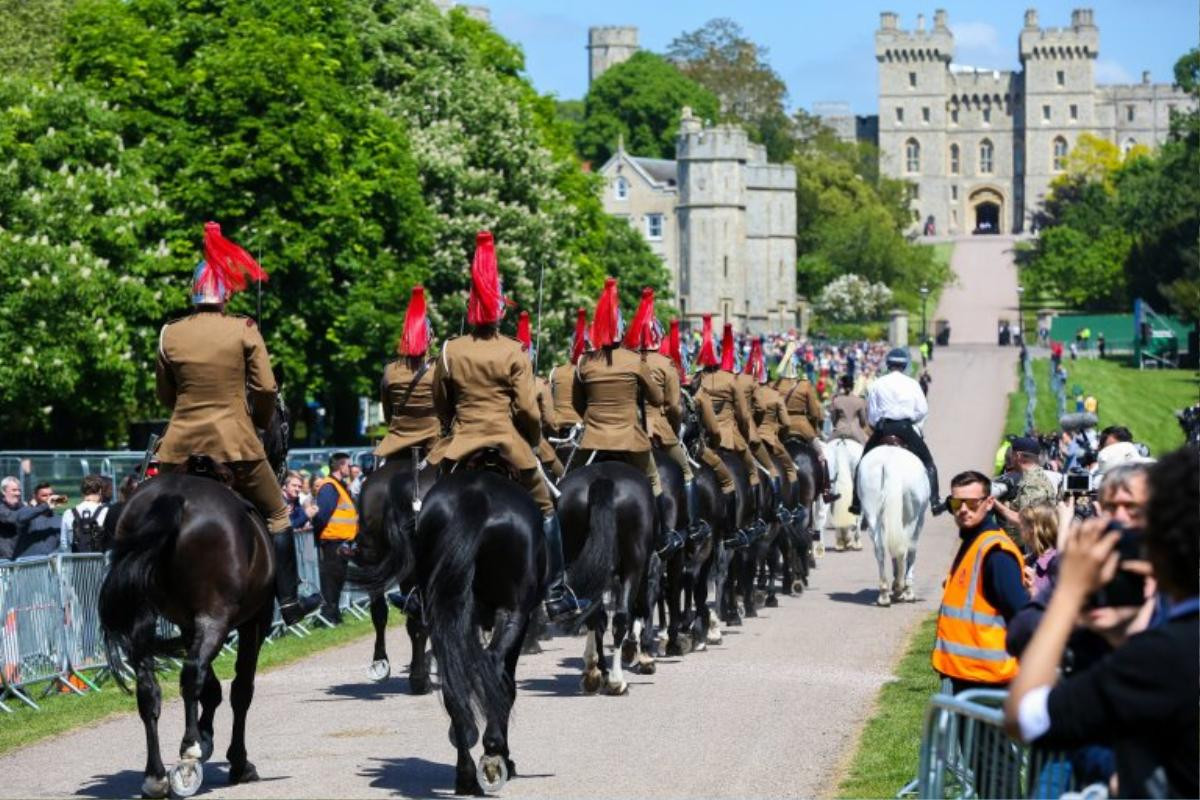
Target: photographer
(40,536)
(1144,698)
(1033,486)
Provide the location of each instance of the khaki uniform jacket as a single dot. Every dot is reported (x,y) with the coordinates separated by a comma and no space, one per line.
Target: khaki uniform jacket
(214,373)
(484,394)
(605,395)
(562,412)
(803,407)
(414,423)
(730,406)
(545,402)
(848,413)
(770,413)
(746,385)
(708,419)
(665,420)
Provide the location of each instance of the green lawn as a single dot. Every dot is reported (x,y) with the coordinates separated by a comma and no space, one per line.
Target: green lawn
(1145,401)
(63,712)
(888,749)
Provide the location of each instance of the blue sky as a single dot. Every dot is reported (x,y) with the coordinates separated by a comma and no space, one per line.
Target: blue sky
(825,51)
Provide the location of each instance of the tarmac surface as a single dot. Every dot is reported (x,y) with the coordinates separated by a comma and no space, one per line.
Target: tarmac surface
(774,711)
(985,291)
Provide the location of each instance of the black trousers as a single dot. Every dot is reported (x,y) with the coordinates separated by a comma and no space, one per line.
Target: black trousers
(903,430)
(333,578)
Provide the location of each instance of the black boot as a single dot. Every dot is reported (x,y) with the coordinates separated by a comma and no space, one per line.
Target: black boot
(287,581)
(666,542)
(734,536)
(698,529)
(936,504)
(561,603)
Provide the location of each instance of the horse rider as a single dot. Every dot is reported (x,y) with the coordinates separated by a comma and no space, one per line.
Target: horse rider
(611,383)
(848,412)
(770,413)
(562,380)
(730,409)
(214,373)
(406,390)
(545,453)
(895,406)
(747,384)
(485,396)
(805,412)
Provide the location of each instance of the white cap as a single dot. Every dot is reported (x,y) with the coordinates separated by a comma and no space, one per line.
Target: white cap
(1118,455)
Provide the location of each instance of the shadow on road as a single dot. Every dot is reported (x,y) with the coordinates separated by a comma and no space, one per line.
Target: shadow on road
(368,690)
(863,597)
(128,782)
(417,777)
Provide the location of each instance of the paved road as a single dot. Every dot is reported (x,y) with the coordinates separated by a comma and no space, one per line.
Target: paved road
(985,292)
(773,712)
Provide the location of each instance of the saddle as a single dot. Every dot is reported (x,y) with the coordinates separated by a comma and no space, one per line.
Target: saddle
(892,440)
(489,459)
(205,466)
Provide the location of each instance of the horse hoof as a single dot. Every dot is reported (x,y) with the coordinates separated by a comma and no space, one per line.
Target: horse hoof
(186,777)
(628,652)
(772,601)
(703,646)
(759,598)
(908,596)
(647,665)
(884,600)
(751,612)
(617,689)
(192,752)
(419,684)
(591,681)
(798,587)
(206,747)
(676,647)
(155,787)
(492,773)
(247,774)
(380,670)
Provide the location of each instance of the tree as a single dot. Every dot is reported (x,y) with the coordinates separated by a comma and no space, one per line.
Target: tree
(640,101)
(31,31)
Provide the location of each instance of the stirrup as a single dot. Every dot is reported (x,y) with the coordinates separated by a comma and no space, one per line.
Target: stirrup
(699,532)
(674,544)
(581,606)
(403,601)
(295,610)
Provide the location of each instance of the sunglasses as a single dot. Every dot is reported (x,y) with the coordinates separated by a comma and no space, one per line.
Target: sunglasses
(972,503)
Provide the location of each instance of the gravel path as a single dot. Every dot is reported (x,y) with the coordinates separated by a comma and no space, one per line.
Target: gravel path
(985,292)
(773,712)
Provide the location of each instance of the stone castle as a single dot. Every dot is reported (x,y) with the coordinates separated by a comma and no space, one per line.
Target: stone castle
(981,147)
(719,215)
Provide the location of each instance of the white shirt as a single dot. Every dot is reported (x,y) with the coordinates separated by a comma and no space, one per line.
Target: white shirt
(896,396)
(67,533)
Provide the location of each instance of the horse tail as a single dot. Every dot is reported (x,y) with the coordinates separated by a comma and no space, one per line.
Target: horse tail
(397,561)
(128,616)
(843,486)
(473,684)
(892,512)
(592,571)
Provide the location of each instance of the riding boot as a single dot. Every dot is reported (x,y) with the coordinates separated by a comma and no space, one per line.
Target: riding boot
(827,492)
(777,487)
(697,528)
(561,603)
(666,542)
(936,504)
(736,537)
(287,581)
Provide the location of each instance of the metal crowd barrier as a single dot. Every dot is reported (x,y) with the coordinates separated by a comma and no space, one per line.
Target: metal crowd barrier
(966,753)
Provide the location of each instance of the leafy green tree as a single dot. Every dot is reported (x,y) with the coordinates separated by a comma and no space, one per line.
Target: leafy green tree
(1086,271)
(640,100)
(31,32)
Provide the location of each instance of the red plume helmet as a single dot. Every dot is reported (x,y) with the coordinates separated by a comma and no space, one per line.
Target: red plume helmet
(641,334)
(728,349)
(486,303)
(606,322)
(755,364)
(414,341)
(579,345)
(524,332)
(708,353)
(226,265)
(671,348)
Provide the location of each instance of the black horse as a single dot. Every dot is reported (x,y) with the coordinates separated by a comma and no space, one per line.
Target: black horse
(188,549)
(608,517)
(808,467)
(480,563)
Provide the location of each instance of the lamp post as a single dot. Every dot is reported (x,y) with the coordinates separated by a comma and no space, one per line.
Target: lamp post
(1021,312)
(924,290)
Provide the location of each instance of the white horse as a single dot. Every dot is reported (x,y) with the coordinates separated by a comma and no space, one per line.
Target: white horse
(842,457)
(894,491)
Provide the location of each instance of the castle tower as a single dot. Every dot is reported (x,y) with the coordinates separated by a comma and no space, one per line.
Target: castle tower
(1059,78)
(608,46)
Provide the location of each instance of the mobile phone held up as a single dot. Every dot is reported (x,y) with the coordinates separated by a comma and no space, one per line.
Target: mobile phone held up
(1126,588)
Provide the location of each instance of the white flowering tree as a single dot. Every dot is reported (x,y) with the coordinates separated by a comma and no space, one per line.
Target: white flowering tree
(852,298)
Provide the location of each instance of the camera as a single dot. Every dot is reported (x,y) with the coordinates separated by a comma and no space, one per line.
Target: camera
(1126,588)
(1079,483)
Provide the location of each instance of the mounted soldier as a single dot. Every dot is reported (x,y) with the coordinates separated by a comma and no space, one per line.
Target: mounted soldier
(747,383)
(214,373)
(485,397)
(771,415)
(545,403)
(804,411)
(406,390)
(611,385)
(563,415)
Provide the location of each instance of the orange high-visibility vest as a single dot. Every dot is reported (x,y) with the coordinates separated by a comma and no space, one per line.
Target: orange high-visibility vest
(343,525)
(970,630)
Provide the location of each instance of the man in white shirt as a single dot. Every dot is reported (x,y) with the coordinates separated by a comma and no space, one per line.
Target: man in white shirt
(83,525)
(895,406)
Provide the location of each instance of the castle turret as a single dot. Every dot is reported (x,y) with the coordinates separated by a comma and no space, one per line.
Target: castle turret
(608,46)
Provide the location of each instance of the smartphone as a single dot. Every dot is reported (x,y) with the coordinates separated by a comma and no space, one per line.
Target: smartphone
(1078,482)
(1126,588)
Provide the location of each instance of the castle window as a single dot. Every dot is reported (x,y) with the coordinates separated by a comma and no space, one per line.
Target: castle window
(1074,113)
(1129,113)
(1128,145)
(1045,113)
(954,116)
(987,116)
(985,156)
(953,159)
(912,156)
(1060,78)
(914,191)
(654,226)
(899,114)
(1060,154)
(925,114)
(621,189)
(726,269)
(954,192)
(912,80)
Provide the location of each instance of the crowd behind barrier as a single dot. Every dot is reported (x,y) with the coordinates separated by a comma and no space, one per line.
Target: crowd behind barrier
(51,638)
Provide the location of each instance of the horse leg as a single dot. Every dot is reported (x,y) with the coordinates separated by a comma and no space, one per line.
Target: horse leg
(381,667)
(885,596)
(614,679)
(241,692)
(418,669)
(909,594)
(149,701)
(593,677)
(210,698)
(675,580)
(206,642)
(623,624)
(506,649)
(464,732)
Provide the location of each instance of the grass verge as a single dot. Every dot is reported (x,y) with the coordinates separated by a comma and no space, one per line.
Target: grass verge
(888,749)
(60,713)
(1145,401)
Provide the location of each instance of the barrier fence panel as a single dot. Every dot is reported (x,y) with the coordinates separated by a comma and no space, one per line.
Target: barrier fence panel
(966,753)
(79,579)
(31,641)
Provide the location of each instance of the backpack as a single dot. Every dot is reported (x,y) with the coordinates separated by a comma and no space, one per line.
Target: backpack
(87,531)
